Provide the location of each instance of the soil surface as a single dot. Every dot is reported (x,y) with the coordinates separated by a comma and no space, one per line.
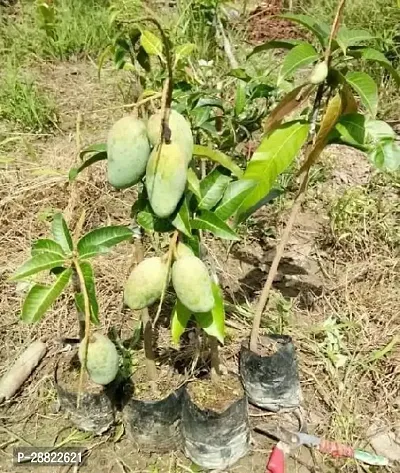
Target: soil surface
(167,382)
(216,395)
(264,24)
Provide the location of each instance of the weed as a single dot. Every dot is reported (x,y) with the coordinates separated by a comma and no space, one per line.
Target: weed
(22,102)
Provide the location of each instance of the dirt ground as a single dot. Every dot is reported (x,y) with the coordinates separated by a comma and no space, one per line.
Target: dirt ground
(337,293)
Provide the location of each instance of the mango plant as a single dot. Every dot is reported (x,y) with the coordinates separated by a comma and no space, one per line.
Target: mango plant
(69,262)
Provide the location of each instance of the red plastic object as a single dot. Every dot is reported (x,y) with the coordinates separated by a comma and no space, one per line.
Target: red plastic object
(276,462)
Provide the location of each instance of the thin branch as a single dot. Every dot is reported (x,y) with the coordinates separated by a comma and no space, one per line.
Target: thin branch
(334,30)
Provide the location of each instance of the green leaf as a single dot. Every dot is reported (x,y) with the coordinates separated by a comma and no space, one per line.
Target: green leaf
(212,188)
(213,322)
(272,195)
(378,130)
(46,245)
(95,148)
(300,56)
(218,157)
(366,88)
(370,54)
(275,44)
(38,263)
(346,38)
(234,195)
(351,128)
(386,155)
(93,159)
(320,29)
(240,101)
(151,43)
(61,233)
(182,219)
(102,238)
(275,154)
(209,221)
(88,277)
(41,297)
(193,183)
(184,50)
(180,318)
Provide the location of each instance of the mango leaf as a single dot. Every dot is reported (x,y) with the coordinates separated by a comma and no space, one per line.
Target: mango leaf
(95,148)
(352,128)
(39,262)
(275,44)
(184,50)
(378,130)
(300,56)
(213,322)
(370,54)
(218,157)
(331,116)
(346,38)
(61,233)
(182,219)
(73,173)
(275,154)
(212,188)
(151,43)
(102,238)
(180,318)
(41,297)
(209,221)
(88,277)
(386,155)
(240,100)
(234,195)
(290,102)
(46,245)
(366,88)
(320,29)
(348,99)
(272,195)
(193,183)
(143,59)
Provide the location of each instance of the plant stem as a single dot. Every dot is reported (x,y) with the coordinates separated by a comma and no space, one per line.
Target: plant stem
(80,315)
(171,253)
(87,325)
(147,327)
(215,361)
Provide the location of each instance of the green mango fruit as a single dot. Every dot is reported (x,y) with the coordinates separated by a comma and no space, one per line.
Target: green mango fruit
(128,150)
(145,283)
(181,132)
(319,73)
(183,250)
(102,359)
(192,284)
(166,175)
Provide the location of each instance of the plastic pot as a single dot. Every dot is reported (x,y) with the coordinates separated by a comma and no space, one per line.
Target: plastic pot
(214,440)
(271,381)
(96,412)
(155,425)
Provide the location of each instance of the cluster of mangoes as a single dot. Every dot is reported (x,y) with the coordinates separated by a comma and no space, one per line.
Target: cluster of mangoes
(190,280)
(134,150)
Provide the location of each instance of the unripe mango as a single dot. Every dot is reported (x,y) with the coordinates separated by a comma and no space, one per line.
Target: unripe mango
(183,250)
(128,150)
(166,175)
(102,359)
(145,283)
(319,73)
(192,284)
(181,132)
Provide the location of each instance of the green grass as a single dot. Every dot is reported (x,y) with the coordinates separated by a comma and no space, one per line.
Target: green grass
(75,27)
(22,102)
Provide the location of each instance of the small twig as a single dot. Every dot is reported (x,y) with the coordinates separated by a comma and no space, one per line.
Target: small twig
(334,30)
(227,44)
(155,96)
(171,253)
